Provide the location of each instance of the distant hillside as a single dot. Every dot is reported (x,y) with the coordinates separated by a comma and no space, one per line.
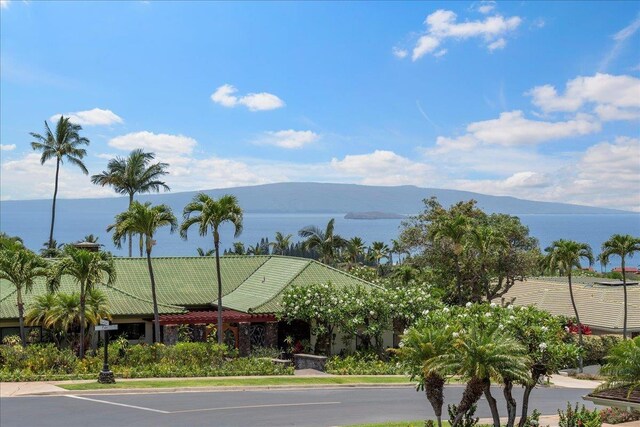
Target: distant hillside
(320,198)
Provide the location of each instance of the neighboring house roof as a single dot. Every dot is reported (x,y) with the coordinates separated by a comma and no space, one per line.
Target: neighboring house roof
(600,307)
(250,284)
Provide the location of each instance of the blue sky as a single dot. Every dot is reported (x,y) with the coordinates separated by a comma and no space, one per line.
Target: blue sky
(538,100)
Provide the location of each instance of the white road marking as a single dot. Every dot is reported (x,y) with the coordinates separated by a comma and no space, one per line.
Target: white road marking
(275,405)
(118,404)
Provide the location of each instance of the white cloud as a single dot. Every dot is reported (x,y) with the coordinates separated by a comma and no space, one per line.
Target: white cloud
(7,147)
(611,113)
(603,89)
(620,38)
(486,7)
(95,117)
(628,31)
(498,44)
(442,25)
(399,53)
(225,96)
(288,138)
(384,168)
(158,143)
(512,128)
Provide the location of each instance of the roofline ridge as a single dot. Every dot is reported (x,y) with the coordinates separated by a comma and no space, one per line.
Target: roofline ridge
(307,260)
(139,298)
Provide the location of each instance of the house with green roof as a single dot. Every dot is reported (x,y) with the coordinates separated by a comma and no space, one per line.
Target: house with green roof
(252,289)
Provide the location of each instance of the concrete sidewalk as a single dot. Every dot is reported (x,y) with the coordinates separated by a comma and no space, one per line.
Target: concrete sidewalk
(569,382)
(28,388)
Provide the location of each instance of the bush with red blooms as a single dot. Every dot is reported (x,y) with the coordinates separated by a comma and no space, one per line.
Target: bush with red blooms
(572,328)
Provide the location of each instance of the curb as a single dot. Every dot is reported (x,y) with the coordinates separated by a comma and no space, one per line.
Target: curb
(206,389)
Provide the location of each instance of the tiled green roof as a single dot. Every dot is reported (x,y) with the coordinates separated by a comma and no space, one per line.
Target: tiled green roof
(249,283)
(120,303)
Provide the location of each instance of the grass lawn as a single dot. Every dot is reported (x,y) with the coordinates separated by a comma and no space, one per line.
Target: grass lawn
(237,382)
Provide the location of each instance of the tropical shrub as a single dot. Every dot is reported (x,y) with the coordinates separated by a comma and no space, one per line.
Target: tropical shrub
(618,416)
(574,417)
(363,364)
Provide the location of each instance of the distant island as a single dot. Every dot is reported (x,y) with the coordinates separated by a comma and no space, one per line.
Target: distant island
(373,215)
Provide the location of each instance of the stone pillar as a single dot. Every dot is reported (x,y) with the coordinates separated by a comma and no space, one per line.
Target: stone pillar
(271,335)
(244,342)
(170,334)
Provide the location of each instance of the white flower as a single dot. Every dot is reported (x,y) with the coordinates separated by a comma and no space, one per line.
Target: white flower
(544,329)
(446,309)
(500,326)
(542,346)
(371,313)
(425,312)
(487,314)
(401,344)
(493,305)
(455,335)
(511,318)
(468,304)
(510,307)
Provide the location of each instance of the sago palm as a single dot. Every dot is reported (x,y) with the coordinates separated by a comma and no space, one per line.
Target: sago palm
(145,220)
(325,242)
(623,246)
(133,175)
(63,145)
(21,267)
(479,356)
(562,257)
(210,214)
(88,270)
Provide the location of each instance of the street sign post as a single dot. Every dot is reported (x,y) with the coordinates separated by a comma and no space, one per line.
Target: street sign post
(106,376)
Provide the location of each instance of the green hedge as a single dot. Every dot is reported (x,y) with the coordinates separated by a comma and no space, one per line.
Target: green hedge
(46,362)
(596,347)
(367,364)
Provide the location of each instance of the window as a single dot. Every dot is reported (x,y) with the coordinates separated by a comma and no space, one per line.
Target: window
(131,331)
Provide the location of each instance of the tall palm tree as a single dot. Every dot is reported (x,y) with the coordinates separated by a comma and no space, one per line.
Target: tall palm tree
(623,246)
(88,269)
(422,343)
(132,175)
(479,356)
(326,242)
(377,252)
(145,221)
(202,252)
(238,248)
(453,231)
(21,267)
(281,243)
(354,249)
(212,214)
(255,250)
(562,256)
(63,145)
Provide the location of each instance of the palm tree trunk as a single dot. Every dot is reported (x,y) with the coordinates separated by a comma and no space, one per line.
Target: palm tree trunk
(433,388)
(53,206)
(129,237)
(472,393)
(216,245)
(82,319)
(535,376)
(458,281)
(492,403)
(511,402)
(156,316)
(20,305)
(575,310)
(624,287)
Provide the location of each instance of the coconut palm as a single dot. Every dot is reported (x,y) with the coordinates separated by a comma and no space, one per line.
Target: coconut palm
(51,249)
(453,232)
(212,214)
(281,243)
(623,246)
(326,243)
(145,221)
(377,252)
(479,356)
(63,145)
(21,267)
(257,249)
(132,175)
(238,249)
(88,269)
(202,252)
(562,256)
(420,344)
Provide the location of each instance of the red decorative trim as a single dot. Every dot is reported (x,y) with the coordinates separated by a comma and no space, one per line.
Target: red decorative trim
(206,317)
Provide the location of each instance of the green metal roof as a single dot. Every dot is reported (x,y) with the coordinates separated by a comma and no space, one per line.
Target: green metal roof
(249,283)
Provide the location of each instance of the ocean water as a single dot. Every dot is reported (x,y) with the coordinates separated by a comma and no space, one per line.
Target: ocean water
(33,227)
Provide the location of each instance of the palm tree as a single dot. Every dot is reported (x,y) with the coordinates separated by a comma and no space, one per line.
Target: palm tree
(622,367)
(479,356)
(281,243)
(453,231)
(6,240)
(485,241)
(255,250)
(145,221)
(21,267)
(88,270)
(377,251)
(621,245)
(212,214)
(202,252)
(562,256)
(326,243)
(238,248)
(133,175)
(421,343)
(91,238)
(51,249)
(63,145)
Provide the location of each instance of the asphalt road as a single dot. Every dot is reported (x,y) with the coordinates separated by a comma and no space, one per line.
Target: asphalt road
(308,407)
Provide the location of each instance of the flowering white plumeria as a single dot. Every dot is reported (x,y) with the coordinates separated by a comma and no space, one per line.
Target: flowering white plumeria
(469,304)
(542,346)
